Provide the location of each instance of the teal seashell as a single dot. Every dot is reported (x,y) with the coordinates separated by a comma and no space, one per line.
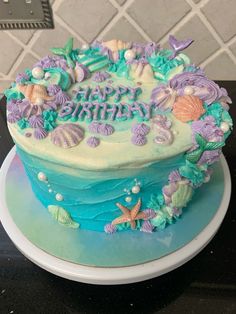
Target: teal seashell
(62,216)
(182,196)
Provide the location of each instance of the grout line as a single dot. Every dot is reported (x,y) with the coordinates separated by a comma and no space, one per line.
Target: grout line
(137,27)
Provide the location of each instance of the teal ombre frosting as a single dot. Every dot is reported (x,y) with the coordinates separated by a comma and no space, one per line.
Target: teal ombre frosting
(90,196)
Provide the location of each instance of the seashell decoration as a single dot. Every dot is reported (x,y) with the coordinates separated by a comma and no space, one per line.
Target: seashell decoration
(141,72)
(188,108)
(34,92)
(115,45)
(62,216)
(67,135)
(182,196)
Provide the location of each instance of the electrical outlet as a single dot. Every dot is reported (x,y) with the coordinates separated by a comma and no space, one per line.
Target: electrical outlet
(20,14)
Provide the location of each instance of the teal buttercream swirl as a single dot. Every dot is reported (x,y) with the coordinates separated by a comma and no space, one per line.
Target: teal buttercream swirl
(13,93)
(49,118)
(23,123)
(193,173)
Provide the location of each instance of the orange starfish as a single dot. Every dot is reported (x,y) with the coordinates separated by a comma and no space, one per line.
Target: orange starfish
(129,215)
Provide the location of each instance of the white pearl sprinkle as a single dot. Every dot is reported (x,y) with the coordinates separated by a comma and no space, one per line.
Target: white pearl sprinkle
(85,47)
(50,190)
(224,127)
(47,75)
(136,189)
(128,199)
(129,55)
(39,101)
(38,73)
(207,179)
(188,90)
(42,176)
(59,197)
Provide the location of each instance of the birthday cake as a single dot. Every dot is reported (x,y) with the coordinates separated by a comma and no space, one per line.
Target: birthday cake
(117,136)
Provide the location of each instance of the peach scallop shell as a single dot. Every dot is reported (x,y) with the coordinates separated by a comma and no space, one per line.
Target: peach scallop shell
(67,135)
(188,108)
(32,92)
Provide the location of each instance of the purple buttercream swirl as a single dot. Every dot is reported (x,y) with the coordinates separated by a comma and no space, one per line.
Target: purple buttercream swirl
(150,213)
(36,121)
(209,157)
(140,128)
(53,89)
(208,129)
(62,97)
(94,127)
(21,77)
(52,62)
(174,176)
(100,76)
(151,48)
(138,139)
(204,88)
(40,133)
(110,228)
(147,227)
(105,129)
(13,118)
(93,141)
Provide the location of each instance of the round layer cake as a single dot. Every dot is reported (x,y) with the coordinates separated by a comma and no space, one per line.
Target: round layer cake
(117,135)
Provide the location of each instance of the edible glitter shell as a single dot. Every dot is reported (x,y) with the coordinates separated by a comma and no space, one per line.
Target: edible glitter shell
(188,108)
(33,92)
(67,135)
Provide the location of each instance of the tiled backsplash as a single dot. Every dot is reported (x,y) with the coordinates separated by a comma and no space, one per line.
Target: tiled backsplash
(211,23)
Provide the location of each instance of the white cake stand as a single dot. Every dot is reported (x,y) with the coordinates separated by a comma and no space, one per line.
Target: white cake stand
(113,275)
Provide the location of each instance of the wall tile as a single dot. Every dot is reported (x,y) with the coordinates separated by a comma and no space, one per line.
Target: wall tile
(89,18)
(23,35)
(204,43)
(196,1)
(8,53)
(224,24)
(222,67)
(28,61)
(4,84)
(158,17)
(125,31)
(52,38)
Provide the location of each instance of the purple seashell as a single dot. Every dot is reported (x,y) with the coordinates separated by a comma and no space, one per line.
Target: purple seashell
(174,176)
(53,89)
(36,121)
(67,135)
(110,228)
(93,141)
(163,97)
(150,213)
(138,139)
(94,127)
(81,72)
(168,191)
(147,227)
(21,77)
(100,76)
(105,129)
(140,128)
(13,118)
(61,98)
(40,133)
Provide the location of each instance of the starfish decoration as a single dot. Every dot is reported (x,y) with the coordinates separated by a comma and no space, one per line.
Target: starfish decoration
(65,52)
(178,45)
(195,155)
(130,216)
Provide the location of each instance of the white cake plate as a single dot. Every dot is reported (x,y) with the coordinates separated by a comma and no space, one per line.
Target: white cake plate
(111,275)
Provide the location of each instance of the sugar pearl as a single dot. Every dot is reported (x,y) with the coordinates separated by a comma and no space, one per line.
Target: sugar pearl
(59,197)
(136,189)
(39,101)
(47,75)
(188,90)
(128,199)
(224,127)
(50,190)
(42,176)
(85,47)
(38,73)
(207,179)
(129,54)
